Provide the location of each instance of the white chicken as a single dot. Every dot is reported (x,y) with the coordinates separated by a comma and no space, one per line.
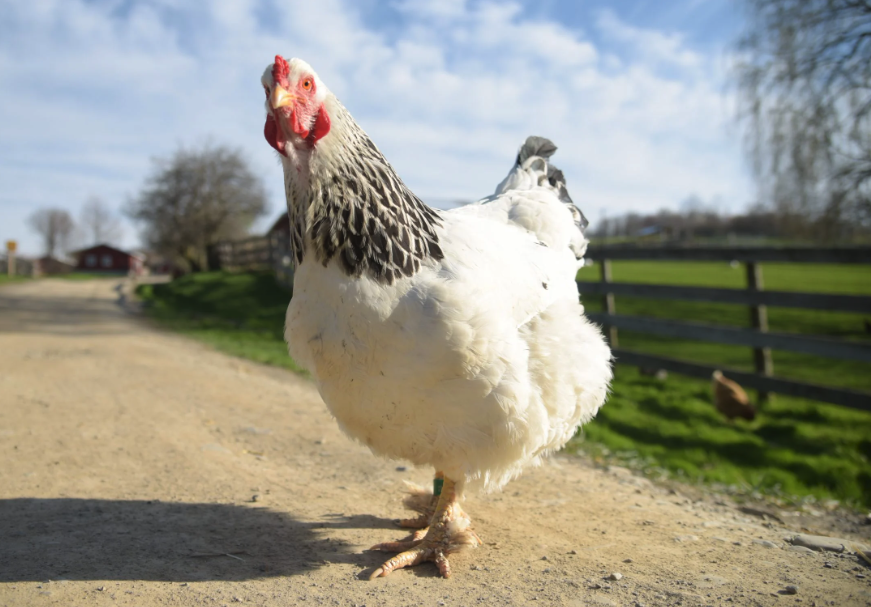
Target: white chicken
(449,339)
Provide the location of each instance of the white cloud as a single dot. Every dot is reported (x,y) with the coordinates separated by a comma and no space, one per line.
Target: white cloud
(649,46)
(91,93)
(444,9)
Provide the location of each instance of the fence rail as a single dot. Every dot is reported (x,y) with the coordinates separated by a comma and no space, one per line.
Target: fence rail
(754,296)
(23,267)
(747,297)
(742,254)
(256,253)
(737,336)
(853,399)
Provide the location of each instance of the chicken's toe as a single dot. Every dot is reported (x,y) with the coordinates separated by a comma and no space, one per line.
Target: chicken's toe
(422,552)
(434,548)
(449,532)
(404,544)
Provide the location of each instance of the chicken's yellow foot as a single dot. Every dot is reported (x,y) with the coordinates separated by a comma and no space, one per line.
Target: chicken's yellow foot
(449,531)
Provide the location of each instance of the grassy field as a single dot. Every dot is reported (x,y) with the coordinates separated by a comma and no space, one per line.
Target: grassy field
(5,279)
(854,280)
(88,275)
(793,450)
(794,447)
(240,314)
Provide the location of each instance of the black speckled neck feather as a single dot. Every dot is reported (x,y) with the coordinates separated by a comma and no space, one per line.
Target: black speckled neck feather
(359,212)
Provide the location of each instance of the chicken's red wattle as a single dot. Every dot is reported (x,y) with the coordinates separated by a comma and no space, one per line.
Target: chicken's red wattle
(273,135)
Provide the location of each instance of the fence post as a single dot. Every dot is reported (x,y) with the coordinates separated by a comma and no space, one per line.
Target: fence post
(759,320)
(608,303)
(271,261)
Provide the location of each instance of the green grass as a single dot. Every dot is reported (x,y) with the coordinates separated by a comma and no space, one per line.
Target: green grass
(5,279)
(240,314)
(855,280)
(793,449)
(816,278)
(88,275)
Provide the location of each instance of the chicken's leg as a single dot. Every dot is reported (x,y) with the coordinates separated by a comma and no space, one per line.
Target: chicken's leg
(449,531)
(422,501)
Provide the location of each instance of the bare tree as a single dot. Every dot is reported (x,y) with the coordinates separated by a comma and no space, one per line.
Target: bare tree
(195,199)
(55,226)
(99,223)
(804,83)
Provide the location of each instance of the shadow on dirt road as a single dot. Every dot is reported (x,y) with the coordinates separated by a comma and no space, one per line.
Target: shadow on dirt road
(93,539)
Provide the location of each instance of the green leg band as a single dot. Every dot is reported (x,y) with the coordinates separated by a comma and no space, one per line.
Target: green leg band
(437,484)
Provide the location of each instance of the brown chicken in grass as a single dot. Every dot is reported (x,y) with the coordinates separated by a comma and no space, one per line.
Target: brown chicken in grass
(730,399)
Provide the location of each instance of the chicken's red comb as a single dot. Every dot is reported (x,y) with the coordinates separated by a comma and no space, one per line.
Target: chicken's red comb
(280,70)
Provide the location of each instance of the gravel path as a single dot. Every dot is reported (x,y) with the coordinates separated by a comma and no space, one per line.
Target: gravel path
(141,468)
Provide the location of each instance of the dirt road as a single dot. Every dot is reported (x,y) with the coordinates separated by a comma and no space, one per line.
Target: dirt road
(140,468)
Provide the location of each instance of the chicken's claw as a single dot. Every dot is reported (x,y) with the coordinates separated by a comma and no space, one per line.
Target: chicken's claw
(424,551)
(449,531)
(420,522)
(405,544)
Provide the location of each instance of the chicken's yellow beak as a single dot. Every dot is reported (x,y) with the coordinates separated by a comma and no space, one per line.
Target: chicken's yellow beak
(280,97)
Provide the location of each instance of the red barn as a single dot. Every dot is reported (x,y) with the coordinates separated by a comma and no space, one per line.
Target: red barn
(103,258)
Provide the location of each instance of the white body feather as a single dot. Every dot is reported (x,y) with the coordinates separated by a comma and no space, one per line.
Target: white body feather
(477,364)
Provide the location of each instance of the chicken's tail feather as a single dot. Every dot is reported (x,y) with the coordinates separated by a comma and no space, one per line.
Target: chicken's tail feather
(544,148)
(535,146)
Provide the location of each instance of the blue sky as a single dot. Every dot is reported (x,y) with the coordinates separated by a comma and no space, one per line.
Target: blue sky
(633,92)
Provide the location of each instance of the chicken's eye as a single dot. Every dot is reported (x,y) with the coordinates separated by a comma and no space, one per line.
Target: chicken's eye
(266,90)
(307,84)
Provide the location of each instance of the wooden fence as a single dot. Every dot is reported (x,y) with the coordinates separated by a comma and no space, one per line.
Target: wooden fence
(256,253)
(23,267)
(754,297)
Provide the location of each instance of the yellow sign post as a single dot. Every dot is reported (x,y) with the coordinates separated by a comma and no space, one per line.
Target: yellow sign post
(11,246)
